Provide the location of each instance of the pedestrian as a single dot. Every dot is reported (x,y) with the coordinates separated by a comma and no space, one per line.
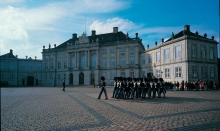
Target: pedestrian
(177,85)
(64,85)
(183,85)
(103,88)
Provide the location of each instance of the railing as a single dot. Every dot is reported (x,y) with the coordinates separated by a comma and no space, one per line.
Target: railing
(82,45)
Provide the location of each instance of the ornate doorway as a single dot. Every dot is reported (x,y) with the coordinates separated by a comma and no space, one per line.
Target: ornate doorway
(30,80)
(92,79)
(71,78)
(81,78)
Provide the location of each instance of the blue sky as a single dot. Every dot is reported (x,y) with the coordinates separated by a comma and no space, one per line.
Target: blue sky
(27,25)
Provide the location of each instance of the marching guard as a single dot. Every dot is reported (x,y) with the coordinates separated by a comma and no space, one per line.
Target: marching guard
(103,88)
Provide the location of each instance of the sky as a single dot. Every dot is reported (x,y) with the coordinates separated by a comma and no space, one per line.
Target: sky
(28,25)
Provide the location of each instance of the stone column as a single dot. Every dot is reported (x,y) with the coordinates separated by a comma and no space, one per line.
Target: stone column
(88,58)
(97,58)
(136,56)
(77,59)
(127,58)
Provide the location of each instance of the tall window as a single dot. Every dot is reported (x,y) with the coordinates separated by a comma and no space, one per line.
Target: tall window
(178,51)
(83,61)
(58,55)
(193,51)
(143,60)
(204,72)
(112,75)
(178,72)
(93,61)
(73,62)
(51,65)
(157,56)
(65,55)
(194,71)
(11,65)
(211,53)
(45,77)
(2,65)
(132,60)
(11,77)
(167,73)
(203,52)
(212,72)
(64,65)
(58,76)
(46,65)
(158,73)
(150,59)
(39,66)
(104,63)
(167,54)
(122,49)
(122,61)
(132,48)
(112,62)
(64,76)
(21,66)
(51,76)
(122,74)
(58,65)
(30,66)
(132,74)
(112,50)
(104,74)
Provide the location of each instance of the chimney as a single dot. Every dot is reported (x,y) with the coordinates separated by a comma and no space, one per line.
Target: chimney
(16,56)
(205,35)
(54,45)
(49,46)
(156,43)
(26,57)
(162,40)
(74,36)
(136,35)
(11,51)
(93,32)
(187,28)
(197,33)
(44,47)
(115,29)
(35,57)
(212,37)
(147,46)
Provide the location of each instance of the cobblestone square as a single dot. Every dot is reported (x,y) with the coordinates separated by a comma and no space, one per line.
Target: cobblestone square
(48,108)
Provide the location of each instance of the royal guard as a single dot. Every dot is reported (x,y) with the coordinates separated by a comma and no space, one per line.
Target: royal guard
(161,89)
(115,88)
(103,88)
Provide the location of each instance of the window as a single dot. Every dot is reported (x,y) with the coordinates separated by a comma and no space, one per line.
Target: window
(123,61)
(2,77)
(2,65)
(167,73)
(112,75)
(46,57)
(122,49)
(11,65)
(143,73)
(143,60)
(45,77)
(51,56)
(158,73)
(51,65)
(104,51)
(39,66)
(157,56)
(58,55)
(64,76)
(203,52)
(132,48)
(30,66)
(104,74)
(177,51)
(46,66)
(51,76)
(58,76)
(132,60)
(112,62)
(166,54)
(132,74)
(21,66)
(65,55)
(104,63)
(212,73)
(122,74)
(112,50)
(150,59)
(64,65)
(93,61)
(211,53)
(177,71)
(193,51)
(194,71)
(11,77)
(204,72)
(58,65)
(83,61)
(73,62)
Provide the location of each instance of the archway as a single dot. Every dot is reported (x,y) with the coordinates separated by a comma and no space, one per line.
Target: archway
(30,80)
(92,79)
(81,78)
(71,78)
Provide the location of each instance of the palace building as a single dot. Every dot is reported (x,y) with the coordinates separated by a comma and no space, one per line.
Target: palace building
(83,60)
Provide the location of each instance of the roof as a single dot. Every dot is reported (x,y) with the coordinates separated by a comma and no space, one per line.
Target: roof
(108,37)
(188,33)
(8,55)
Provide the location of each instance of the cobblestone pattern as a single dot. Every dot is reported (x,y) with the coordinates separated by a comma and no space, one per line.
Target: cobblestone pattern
(77,108)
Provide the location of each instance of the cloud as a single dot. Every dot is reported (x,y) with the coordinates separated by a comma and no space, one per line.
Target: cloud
(6,2)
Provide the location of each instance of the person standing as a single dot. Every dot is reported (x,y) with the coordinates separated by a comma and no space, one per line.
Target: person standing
(64,85)
(115,88)
(177,85)
(103,88)
(183,85)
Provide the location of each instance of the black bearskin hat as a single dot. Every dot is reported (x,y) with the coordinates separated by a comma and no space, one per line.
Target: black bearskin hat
(115,78)
(103,78)
(161,79)
(155,80)
(125,79)
(146,79)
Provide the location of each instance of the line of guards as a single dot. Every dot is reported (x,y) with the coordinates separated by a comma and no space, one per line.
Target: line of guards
(126,88)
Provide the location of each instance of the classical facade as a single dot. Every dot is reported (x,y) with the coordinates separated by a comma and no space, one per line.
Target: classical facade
(20,72)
